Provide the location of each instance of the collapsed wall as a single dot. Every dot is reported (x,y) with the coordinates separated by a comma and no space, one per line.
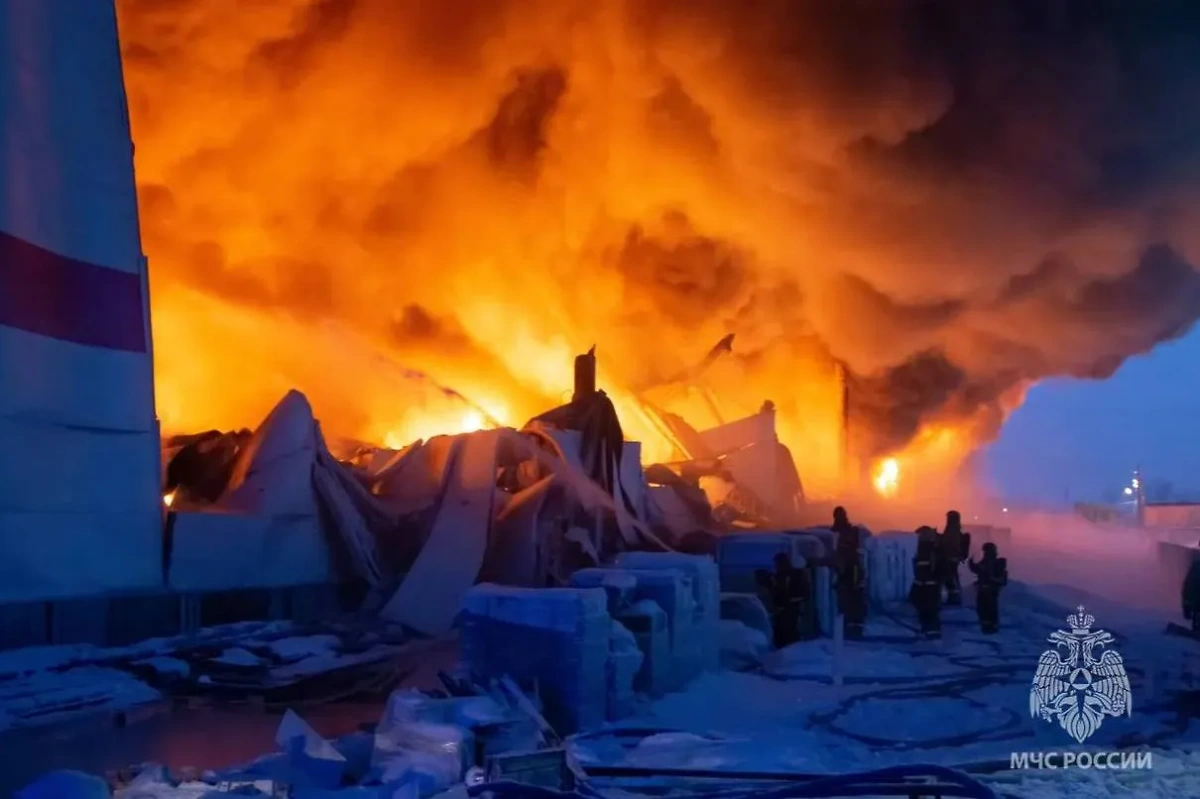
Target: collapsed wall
(419,526)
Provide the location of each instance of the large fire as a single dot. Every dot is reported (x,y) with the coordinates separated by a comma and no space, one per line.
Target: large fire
(377,201)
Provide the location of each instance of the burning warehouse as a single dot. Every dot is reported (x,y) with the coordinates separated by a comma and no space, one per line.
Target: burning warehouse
(388,233)
(295,257)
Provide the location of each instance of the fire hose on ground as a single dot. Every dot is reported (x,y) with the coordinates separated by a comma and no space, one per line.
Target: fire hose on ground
(959,686)
(936,781)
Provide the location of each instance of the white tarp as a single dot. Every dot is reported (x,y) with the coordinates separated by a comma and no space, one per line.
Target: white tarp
(430,594)
(269,528)
(79,501)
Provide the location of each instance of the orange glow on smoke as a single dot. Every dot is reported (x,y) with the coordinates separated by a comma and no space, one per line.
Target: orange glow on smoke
(925,467)
(335,201)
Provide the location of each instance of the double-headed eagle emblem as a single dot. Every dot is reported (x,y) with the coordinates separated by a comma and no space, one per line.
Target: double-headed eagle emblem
(1080,689)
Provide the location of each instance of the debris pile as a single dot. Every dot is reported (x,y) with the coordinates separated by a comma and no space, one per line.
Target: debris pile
(739,469)
(422,745)
(523,508)
(417,527)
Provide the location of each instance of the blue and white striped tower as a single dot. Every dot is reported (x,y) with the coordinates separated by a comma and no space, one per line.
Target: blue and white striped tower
(80,512)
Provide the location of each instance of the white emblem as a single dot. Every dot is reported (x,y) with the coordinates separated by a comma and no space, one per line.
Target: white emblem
(1080,689)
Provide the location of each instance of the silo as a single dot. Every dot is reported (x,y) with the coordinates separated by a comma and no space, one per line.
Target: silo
(80,512)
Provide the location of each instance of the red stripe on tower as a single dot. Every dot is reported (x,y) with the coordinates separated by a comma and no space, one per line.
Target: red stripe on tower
(52,295)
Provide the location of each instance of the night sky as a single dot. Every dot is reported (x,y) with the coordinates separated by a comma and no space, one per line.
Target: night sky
(1080,439)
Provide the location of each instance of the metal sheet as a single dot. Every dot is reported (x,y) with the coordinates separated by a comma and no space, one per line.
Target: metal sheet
(429,597)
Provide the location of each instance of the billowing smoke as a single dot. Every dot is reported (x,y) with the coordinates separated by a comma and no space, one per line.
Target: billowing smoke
(953,199)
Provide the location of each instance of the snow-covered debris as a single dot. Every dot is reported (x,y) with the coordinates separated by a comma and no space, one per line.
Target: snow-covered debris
(420,757)
(407,705)
(742,647)
(749,610)
(41,696)
(65,785)
(163,787)
(299,647)
(618,584)
(236,656)
(310,754)
(42,658)
(155,782)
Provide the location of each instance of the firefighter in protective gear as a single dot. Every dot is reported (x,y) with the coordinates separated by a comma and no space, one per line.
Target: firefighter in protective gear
(955,546)
(1191,593)
(991,574)
(851,576)
(787,592)
(926,592)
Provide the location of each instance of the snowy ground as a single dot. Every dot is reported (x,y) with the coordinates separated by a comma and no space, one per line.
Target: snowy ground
(963,701)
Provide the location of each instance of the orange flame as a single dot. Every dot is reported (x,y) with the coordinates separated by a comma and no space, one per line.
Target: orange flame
(399,168)
(887,477)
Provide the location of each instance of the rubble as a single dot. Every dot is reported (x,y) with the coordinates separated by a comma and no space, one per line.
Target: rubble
(747,476)
(450,561)
(483,530)
(315,760)
(419,526)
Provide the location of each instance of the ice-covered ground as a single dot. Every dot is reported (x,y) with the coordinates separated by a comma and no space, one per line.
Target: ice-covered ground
(963,701)
(891,699)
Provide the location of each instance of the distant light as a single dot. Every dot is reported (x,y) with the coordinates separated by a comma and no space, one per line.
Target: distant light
(169,499)
(1128,491)
(1135,482)
(1004,510)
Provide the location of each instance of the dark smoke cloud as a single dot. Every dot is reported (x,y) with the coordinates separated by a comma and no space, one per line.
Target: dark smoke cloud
(951,198)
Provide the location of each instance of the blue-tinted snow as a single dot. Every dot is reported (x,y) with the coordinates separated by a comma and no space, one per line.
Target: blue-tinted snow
(962,701)
(957,702)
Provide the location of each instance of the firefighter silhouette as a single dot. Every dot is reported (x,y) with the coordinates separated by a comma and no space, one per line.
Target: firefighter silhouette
(955,546)
(991,574)
(928,575)
(1191,593)
(851,576)
(787,591)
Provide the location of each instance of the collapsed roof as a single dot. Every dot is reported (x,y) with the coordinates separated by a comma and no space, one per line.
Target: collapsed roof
(419,525)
